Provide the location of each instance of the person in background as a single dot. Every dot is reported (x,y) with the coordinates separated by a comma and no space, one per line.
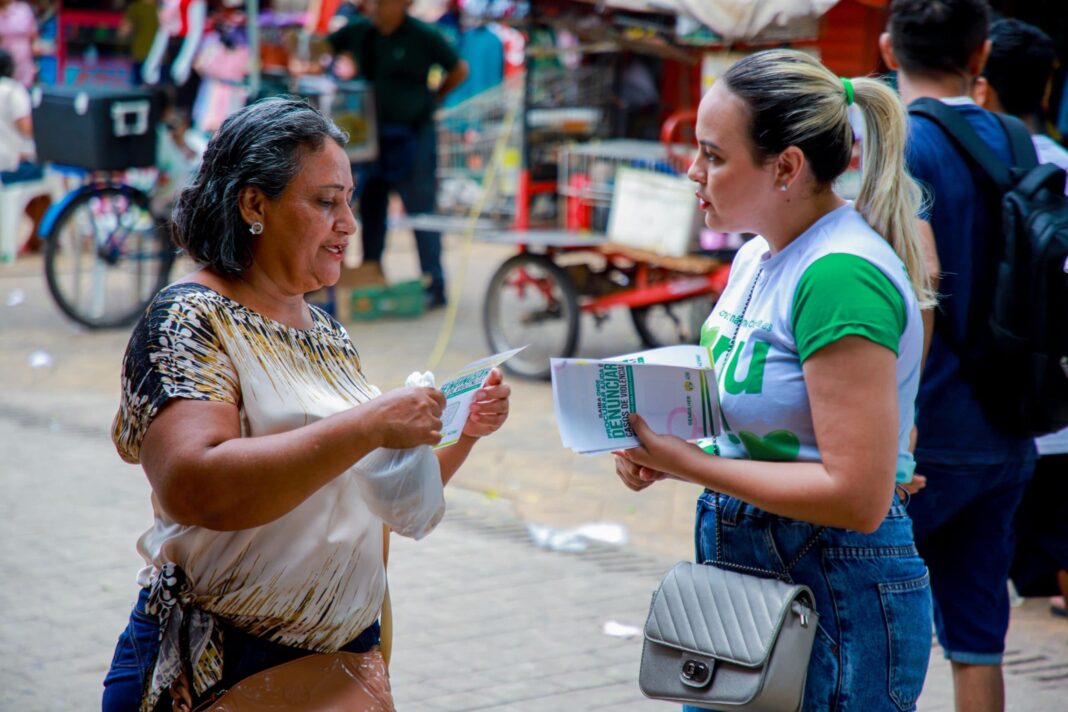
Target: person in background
(450,23)
(18,31)
(1016,80)
(16,145)
(16,126)
(139,25)
(639,97)
(169,62)
(346,12)
(974,472)
(478,46)
(395,53)
(1050,17)
(817,339)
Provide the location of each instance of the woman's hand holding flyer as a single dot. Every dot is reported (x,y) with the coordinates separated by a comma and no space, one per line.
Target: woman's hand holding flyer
(673,389)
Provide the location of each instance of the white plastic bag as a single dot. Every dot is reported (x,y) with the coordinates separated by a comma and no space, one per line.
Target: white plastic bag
(403,487)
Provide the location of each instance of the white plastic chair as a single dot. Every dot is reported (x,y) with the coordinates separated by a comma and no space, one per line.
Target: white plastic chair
(14,197)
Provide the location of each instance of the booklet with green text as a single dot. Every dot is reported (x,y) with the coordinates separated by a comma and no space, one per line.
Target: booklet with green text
(672,388)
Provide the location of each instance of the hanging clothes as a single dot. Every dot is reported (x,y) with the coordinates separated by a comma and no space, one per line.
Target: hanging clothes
(514,45)
(222,64)
(734,19)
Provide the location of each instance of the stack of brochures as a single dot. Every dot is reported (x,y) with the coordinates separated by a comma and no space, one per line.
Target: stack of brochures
(672,388)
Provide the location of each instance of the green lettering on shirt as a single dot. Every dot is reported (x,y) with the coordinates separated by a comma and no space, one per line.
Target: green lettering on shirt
(776,446)
(754,377)
(720,344)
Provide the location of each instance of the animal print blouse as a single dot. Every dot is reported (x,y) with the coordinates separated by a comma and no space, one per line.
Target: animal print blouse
(313,578)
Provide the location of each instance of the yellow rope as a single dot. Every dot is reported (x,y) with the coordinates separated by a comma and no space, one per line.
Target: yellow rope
(445,335)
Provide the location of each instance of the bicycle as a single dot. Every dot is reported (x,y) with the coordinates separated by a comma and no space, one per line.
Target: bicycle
(107,243)
(106,253)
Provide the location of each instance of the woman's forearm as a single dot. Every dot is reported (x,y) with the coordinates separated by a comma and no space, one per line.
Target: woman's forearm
(206,474)
(799,490)
(450,458)
(240,483)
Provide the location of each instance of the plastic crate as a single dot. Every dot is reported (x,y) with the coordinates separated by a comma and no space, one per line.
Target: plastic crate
(404,299)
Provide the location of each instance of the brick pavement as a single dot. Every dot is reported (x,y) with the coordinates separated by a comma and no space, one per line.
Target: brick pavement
(485,620)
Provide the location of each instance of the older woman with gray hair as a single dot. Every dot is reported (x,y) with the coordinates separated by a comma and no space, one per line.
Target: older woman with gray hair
(247,408)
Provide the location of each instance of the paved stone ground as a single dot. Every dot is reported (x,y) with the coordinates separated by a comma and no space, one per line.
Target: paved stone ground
(484,618)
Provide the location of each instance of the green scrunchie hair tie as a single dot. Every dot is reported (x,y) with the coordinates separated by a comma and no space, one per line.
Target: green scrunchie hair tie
(847,84)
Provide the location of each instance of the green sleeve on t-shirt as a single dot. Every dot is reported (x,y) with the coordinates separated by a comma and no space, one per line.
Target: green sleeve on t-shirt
(846,295)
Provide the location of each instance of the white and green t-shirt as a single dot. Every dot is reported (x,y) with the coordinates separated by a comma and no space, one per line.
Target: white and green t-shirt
(838,278)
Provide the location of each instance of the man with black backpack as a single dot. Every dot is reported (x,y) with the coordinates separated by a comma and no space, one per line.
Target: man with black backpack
(976,468)
(1016,81)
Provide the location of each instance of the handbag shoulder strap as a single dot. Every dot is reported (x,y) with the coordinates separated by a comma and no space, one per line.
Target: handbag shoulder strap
(783,575)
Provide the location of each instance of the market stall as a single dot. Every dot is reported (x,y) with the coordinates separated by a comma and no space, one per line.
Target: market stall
(106,240)
(581,165)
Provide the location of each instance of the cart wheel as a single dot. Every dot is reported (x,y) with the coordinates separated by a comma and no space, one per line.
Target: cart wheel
(106,257)
(531,301)
(672,323)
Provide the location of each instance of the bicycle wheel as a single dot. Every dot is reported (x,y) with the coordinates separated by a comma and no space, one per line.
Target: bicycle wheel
(530,301)
(107,256)
(672,323)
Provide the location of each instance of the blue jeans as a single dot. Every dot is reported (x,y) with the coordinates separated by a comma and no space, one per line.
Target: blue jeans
(872,594)
(407,164)
(244,655)
(964,530)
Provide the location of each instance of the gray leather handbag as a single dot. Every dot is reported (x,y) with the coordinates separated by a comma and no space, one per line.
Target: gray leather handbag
(728,640)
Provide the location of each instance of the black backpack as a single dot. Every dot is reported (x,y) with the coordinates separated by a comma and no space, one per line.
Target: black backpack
(1015,349)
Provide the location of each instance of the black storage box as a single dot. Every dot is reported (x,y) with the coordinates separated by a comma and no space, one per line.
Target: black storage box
(98,128)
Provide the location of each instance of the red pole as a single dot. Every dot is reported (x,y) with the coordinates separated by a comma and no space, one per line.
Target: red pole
(522,201)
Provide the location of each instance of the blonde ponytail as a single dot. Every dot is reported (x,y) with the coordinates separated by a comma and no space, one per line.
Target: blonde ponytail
(796,101)
(889,198)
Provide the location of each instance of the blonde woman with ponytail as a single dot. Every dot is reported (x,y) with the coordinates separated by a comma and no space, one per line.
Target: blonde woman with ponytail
(818,340)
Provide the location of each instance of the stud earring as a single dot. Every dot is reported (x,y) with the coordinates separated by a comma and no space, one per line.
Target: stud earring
(782,188)
(256,228)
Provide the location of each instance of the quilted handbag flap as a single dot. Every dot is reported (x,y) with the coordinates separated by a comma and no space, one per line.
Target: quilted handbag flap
(720,614)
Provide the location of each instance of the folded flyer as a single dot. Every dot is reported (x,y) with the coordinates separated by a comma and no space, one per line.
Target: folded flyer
(672,388)
(459,392)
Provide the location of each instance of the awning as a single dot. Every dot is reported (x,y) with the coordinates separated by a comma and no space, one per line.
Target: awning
(732,19)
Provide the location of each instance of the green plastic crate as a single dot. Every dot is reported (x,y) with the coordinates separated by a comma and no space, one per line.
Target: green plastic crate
(404,299)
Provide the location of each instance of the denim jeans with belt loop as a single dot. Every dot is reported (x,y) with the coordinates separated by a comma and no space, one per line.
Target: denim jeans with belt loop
(872,592)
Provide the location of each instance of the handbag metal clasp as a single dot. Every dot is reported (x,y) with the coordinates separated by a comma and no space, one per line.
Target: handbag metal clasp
(696,673)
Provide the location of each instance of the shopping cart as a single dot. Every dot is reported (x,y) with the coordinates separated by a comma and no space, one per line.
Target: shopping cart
(468,135)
